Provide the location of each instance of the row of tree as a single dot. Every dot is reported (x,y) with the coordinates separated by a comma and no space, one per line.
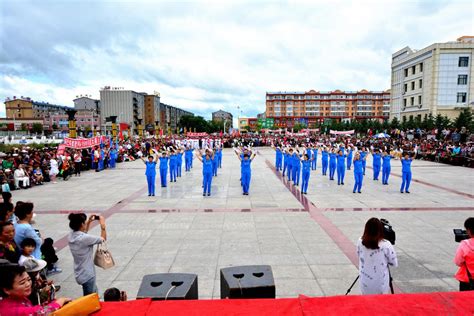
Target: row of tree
(199,124)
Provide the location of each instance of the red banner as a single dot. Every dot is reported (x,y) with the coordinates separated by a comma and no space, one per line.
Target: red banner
(80,143)
(341,132)
(196,134)
(61,149)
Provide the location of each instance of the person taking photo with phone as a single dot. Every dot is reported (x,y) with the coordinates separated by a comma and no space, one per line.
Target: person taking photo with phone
(82,248)
(464,258)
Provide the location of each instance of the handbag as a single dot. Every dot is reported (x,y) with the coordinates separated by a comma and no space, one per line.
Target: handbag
(103,257)
(82,306)
(469,276)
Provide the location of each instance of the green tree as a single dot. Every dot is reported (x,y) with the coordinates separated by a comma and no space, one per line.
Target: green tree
(298,127)
(395,123)
(54,127)
(24,127)
(464,119)
(194,122)
(411,123)
(37,128)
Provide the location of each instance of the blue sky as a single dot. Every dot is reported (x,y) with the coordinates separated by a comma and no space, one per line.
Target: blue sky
(209,55)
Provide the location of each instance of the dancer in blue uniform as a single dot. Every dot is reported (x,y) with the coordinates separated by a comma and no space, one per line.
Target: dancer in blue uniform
(290,164)
(188,158)
(164,159)
(296,168)
(332,164)
(386,168)
(406,173)
(286,161)
(358,172)
(150,173)
(179,162)
(376,163)
(341,166)
(314,160)
(246,171)
(206,171)
(306,162)
(349,156)
(215,163)
(278,157)
(324,160)
(113,157)
(219,157)
(173,162)
(363,156)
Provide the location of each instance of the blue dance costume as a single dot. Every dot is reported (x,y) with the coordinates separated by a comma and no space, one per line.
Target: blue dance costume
(246,174)
(349,159)
(150,173)
(305,176)
(173,164)
(278,159)
(296,168)
(386,168)
(363,154)
(324,160)
(358,175)
(406,175)
(163,170)
(207,175)
(314,162)
(376,164)
(341,168)
(332,165)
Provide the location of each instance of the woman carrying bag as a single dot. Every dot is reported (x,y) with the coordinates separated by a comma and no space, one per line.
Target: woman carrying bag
(82,249)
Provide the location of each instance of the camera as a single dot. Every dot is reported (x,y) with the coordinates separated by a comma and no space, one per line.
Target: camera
(388,232)
(95,217)
(460,234)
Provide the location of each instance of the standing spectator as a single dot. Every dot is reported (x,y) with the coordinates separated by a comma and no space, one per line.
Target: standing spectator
(375,255)
(77,163)
(82,247)
(54,170)
(464,258)
(24,212)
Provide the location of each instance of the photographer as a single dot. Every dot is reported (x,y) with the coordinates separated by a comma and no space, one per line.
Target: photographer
(464,258)
(375,255)
(82,248)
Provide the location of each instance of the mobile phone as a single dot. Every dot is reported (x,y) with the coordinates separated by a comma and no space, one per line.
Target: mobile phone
(95,217)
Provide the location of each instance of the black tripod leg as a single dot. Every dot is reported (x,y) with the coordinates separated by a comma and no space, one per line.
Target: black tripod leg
(352,285)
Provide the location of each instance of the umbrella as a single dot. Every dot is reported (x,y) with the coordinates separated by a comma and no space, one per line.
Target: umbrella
(381,135)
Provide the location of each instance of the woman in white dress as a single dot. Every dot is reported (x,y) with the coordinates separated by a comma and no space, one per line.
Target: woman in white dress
(375,255)
(53,170)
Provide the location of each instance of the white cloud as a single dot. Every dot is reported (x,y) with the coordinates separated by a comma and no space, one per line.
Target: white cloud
(205,56)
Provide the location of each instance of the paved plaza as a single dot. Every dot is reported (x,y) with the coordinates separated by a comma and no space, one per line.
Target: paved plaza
(309,240)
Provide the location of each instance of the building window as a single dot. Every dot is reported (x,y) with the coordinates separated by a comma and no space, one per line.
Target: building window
(406,87)
(419,99)
(462,79)
(420,83)
(463,61)
(461,97)
(412,101)
(404,102)
(413,85)
(413,70)
(406,72)
(421,67)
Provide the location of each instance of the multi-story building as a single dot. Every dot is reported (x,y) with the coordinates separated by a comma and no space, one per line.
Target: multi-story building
(152,110)
(311,108)
(223,116)
(85,103)
(435,79)
(25,107)
(127,105)
(170,116)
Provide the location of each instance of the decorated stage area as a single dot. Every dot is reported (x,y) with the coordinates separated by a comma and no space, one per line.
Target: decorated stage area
(442,303)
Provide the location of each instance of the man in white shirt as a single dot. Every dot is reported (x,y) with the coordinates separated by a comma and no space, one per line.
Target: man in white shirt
(20,175)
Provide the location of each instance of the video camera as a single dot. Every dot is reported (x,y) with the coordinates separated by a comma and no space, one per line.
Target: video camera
(388,232)
(460,234)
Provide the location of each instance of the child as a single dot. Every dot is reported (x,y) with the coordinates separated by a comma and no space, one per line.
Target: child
(49,254)
(42,290)
(27,245)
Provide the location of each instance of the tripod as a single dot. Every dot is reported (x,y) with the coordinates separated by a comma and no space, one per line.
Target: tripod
(389,283)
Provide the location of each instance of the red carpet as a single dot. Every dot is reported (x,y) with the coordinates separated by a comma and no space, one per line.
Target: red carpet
(449,303)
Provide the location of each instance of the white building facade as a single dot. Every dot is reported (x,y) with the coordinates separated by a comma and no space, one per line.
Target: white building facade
(436,80)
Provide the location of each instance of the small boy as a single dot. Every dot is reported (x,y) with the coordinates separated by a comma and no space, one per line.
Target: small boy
(28,245)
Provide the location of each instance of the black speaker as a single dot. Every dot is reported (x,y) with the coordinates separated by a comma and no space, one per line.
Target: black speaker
(169,286)
(247,282)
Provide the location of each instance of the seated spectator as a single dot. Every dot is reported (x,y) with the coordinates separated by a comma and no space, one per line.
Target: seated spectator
(464,258)
(49,254)
(9,179)
(6,213)
(28,245)
(114,295)
(21,176)
(15,288)
(38,176)
(7,163)
(24,212)
(8,248)
(42,290)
